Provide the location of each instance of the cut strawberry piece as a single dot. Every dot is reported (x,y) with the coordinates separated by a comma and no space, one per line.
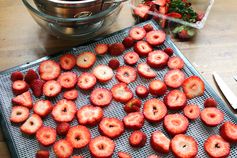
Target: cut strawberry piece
(42,154)
(101,49)
(175,100)
(159,142)
(46,135)
(70,94)
(216,147)
(191,111)
(30,76)
(200,16)
(145,71)
(153,156)
(122,154)
(19,87)
(79,136)
(63,128)
(160,2)
(86,60)
(154,110)
(89,115)
(101,147)
(148,27)
(19,114)
(76,156)
(86,81)
(67,61)
(184,146)
(210,102)
(23,99)
(175,63)
(49,70)
(116,49)
(17,75)
(212,116)
(67,80)
(174,15)
(101,97)
(174,78)
(42,108)
(169,51)
(157,59)
(63,149)
(157,88)
(37,87)
(121,93)
(156,37)
(142,48)
(137,139)
(113,64)
(131,58)
(32,124)
(126,74)
(51,88)
(133,105)
(163,10)
(142,11)
(64,111)
(193,87)
(142,91)
(128,42)
(134,120)
(137,33)
(228,131)
(111,127)
(103,73)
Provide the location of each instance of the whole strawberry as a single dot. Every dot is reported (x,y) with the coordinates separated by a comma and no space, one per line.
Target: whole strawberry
(114,64)
(17,75)
(37,87)
(30,76)
(62,128)
(133,105)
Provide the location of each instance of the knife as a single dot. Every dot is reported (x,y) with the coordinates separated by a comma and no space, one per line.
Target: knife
(229,95)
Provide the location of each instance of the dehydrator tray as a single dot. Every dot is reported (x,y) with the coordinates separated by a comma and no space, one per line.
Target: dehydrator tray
(23,146)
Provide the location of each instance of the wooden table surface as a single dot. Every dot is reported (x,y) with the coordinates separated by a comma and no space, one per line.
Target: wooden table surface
(213,49)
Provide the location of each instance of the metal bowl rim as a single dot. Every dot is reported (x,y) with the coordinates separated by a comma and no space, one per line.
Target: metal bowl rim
(71,2)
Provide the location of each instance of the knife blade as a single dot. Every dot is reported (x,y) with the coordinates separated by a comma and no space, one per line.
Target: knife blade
(229,95)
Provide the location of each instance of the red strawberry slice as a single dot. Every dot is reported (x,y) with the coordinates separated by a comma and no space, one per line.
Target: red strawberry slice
(160,2)
(49,70)
(228,131)
(175,124)
(89,115)
(212,116)
(63,128)
(32,124)
(148,27)
(132,105)
(174,15)
(137,33)
(111,127)
(76,156)
(30,76)
(134,120)
(70,94)
(17,75)
(137,139)
(193,87)
(42,108)
(101,49)
(174,78)
(142,11)
(145,71)
(175,100)
(157,59)
(101,147)
(46,135)
(154,110)
(157,88)
(153,156)
(67,80)
(131,58)
(113,64)
(210,102)
(121,93)
(64,111)
(67,61)
(163,10)
(175,63)
(122,154)
(191,111)
(86,60)
(23,99)
(159,142)
(19,87)
(216,147)
(169,51)
(78,136)
(51,88)
(19,114)
(184,146)
(63,148)
(86,81)
(116,49)
(101,97)
(142,48)
(42,154)
(103,73)
(156,37)
(142,91)
(128,42)
(37,87)
(126,74)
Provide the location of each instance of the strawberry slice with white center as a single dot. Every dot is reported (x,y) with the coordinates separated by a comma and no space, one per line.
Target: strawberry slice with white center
(131,58)
(157,59)
(19,114)
(23,99)
(101,97)
(192,111)
(121,93)
(142,48)
(67,80)
(174,78)
(137,33)
(67,61)
(142,91)
(19,87)
(49,70)
(51,88)
(46,135)
(32,124)
(134,120)
(103,73)
(86,81)
(101,49)
(42,107)
(137,139)
(175,63)
(175,100)
(86,60)
(142,11)
(63,148)
(157,88)
(126,74)
(155,37)
(145,71)
(159,142)
(122,154)
(228,131)
(212,116)
(71,94)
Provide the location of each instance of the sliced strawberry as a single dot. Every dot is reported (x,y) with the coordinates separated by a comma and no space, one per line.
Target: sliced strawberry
(116,49)
(111,127)
(216,147)
(101,147)
(159,142)
(17,75)
(154,110)
(131,58)
(174,15)
(169,51)
(160,2)
(51,88)
(86,60)
(67,80)
(142,91)
(156,37)
(137,33)
(23,99)
(175,63)
(191,111)
(163,10)
(86,81)
(103,73)
(63,128)
(67,61)
(157,88)
(212,116)
(137,139)
(19,114)
(122,154)
(37,87)
(114,64)
(42,154)
(77,156)
(63,149)
(142,11)
(64,111)
(148,27)
(228,131)
(133,105)
(174,78)
(210,102)
(157,59)
(145,71)
(128,42)
(175,100)
(153,156)
(89,115)
(193,87)
(121,93)
(79,136)
(46,135)
(101,49)
(70,94)
(42,108)
(49,70)
(30,76)
(126,74)
(200,16)
(32,124)
(101,97)
(19,87)
(134,120)
(142,48)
